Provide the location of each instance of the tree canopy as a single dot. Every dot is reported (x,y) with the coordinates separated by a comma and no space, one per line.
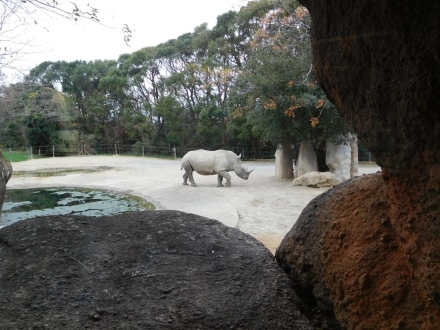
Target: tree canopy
(244,83)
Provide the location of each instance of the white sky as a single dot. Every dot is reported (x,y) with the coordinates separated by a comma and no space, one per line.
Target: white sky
(152,22)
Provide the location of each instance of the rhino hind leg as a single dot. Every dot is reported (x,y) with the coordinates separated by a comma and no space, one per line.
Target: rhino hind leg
(221,175)
(191,179)
(219,180)
(186,166)
(185,179)
(186,176)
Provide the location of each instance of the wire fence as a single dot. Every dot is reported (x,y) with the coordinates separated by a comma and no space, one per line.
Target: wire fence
(14,154)
(17,154)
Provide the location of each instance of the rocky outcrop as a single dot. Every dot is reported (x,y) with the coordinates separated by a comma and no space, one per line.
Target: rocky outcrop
(147,270)
(377,267)
(5,175)
(352,266)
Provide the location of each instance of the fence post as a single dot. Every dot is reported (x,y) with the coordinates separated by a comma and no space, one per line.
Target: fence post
(30,149)
(116,149)
(53,150)
(175,154)
(143,151)
(10,155)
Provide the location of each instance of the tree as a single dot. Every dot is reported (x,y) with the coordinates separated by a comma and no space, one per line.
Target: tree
(31,114)
(276,91)
(98,91)
(173,129)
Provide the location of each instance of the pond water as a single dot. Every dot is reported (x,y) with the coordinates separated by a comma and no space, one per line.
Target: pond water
(20,204)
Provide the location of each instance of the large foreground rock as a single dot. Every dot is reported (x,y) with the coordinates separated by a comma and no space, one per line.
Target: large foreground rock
(151,270)
(354,269)
(379,63)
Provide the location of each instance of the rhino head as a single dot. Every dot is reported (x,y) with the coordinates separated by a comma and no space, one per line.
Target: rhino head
(240,170)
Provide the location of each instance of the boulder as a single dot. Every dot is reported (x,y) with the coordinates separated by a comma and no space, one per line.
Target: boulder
(5,175)
(352,266)
(145,270)
(307,161)
(316,180)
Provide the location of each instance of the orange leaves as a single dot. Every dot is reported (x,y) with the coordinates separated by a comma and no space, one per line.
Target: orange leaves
(270,105)
(240,112)
(301,12)
(320,104)
(314,121)
(290,112)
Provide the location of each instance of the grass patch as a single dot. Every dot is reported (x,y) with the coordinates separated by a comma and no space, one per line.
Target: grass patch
(16,156)
(61,171)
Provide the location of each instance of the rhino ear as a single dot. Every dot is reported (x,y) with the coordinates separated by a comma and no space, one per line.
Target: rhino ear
(239,156)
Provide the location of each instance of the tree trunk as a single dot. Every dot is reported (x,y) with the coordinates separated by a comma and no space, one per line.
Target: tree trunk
(283,160)
(354,169)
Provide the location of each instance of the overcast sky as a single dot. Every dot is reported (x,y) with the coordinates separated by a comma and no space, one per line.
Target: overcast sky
(152,22)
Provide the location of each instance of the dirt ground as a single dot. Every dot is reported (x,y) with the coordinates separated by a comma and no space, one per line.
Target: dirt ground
(263,206)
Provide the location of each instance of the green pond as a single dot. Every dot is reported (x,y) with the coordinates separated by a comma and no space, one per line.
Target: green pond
(20,204)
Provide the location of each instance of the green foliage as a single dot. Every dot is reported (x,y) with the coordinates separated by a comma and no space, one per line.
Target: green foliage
(276,92)
(246,82)
(31,114)
(16,156)
(40,131)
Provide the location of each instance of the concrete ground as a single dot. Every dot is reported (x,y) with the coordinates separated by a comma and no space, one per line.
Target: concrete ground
(263,206)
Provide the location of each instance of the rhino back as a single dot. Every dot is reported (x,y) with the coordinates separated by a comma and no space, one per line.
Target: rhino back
(207,162)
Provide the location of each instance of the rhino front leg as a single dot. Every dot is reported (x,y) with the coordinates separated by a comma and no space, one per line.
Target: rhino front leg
(221,175)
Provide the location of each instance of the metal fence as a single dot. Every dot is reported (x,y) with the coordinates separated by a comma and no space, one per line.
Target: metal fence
(136,150)
(120,149)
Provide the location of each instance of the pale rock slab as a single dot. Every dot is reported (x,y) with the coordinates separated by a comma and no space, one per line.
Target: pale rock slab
(316,180)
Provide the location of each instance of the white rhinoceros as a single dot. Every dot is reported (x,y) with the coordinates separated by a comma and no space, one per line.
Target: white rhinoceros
(218,162)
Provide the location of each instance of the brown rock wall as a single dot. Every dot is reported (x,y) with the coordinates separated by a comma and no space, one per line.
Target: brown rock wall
(346,256)
(369,249)
(379,63)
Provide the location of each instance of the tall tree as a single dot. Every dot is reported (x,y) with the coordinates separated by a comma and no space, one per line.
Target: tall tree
(30,114)
(276,91)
